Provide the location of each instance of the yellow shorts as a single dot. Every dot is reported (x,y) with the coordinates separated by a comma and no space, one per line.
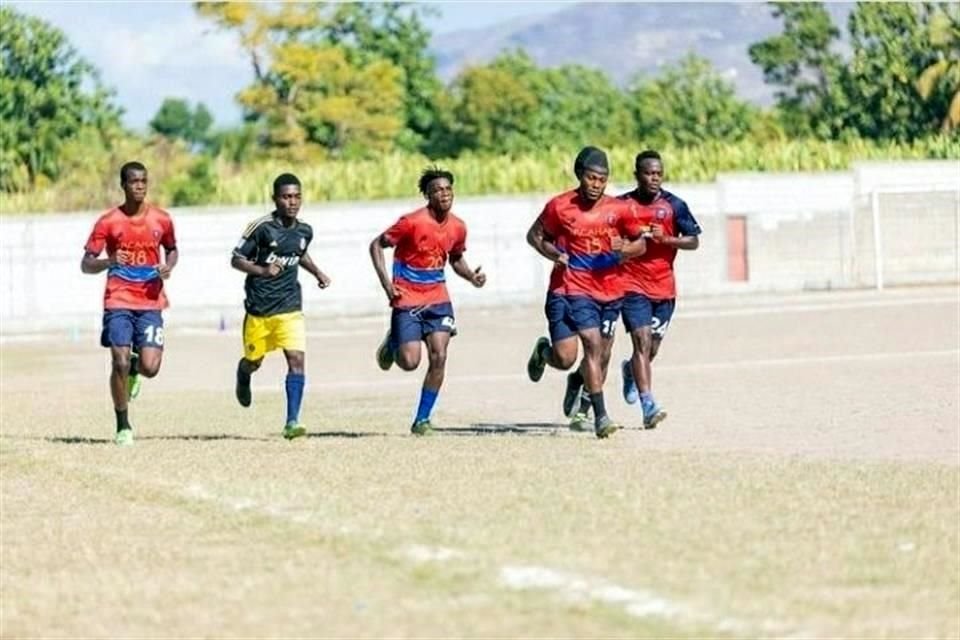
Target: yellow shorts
(263,334)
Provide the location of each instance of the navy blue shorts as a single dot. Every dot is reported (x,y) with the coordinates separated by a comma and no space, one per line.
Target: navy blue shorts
(132,328)
(568,315)
(640,311)
(415,324)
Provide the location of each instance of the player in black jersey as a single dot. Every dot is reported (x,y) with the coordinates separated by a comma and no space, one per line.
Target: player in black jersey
(269,253)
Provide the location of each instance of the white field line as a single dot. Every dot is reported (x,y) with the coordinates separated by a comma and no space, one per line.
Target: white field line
(407,381)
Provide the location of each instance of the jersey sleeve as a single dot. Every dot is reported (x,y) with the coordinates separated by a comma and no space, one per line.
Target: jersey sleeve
(169,237)
(98,238)
(549,220)
(249,241)
(396,233)
(685,222)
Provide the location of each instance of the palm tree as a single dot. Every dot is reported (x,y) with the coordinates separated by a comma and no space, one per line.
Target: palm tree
(945,72)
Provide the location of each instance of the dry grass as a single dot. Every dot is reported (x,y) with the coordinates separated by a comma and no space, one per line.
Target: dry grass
(806,483)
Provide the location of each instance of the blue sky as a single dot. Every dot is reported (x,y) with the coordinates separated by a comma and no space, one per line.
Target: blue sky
(148,51)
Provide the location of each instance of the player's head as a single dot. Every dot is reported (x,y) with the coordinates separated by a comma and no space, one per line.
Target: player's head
(286,195)
(133,181)
(592,170)
(436,185)
(649,172)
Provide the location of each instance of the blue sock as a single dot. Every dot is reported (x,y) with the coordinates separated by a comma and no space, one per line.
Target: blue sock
(295,382)
(427,399)
(646,398)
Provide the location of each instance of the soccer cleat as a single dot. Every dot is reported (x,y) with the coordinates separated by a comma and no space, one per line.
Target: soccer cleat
(294,430)
(571,397)
(244,395)
(580,422)
(422,428)
(124,437)
(630,392)
(133,378)
(385,353)
(605,427)
(536,364)
(653,415)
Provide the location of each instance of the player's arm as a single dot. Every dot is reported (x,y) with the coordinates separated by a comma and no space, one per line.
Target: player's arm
(537,238)
(170,258)
(377,246)
(92,264)
(323,280)
(632,248)
(462,269)
(688,229)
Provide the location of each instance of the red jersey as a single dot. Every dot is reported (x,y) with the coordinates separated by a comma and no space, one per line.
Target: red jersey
(136,284)
(422,246)
(652,273)
(586,234)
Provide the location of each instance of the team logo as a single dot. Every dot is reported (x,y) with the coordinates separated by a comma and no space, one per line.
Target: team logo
(661,214)
(156,234)
(273,243)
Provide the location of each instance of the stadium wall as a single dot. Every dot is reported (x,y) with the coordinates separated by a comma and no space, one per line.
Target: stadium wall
(880,224)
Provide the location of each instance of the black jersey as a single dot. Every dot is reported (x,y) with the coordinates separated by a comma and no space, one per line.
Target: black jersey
(267,241)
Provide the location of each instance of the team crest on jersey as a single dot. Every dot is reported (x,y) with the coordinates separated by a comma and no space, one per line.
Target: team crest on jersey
(156,234)
(661,214)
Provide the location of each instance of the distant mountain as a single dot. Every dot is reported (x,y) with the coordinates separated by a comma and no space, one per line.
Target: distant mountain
(625,39)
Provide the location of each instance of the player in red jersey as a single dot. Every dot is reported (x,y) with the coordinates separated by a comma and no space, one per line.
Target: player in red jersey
(649,284)
(423,241)
(582,231)
(132,235)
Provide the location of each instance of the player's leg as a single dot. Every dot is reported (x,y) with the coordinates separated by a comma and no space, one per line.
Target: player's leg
(438,326)
(662,314)
(588,315)
(560,349)
(256,343)
(406,334)
(289,333)
(147,354)
(637,312)
(576,399)
(117,335)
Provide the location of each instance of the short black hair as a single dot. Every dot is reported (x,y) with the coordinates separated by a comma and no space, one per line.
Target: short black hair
(283,180)
(430,174)
(127,168)
(649,154)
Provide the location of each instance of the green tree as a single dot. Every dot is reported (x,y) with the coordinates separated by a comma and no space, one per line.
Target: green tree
(175,119)
(688,104)
(395,32)
(942,76)
(48,94)
(891,47)
(808,73)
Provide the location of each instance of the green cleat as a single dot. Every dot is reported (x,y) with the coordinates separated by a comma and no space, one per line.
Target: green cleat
(422,428)
(580,422)
(294,430)
(385,354)
(124,437)
(133,379)
(536,364)
(605,427)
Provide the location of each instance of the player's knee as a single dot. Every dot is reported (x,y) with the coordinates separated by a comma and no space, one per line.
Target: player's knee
(654,347)
(296,362)
(564,360)
(148,368)
(121,364)
(407,361)
(438,359)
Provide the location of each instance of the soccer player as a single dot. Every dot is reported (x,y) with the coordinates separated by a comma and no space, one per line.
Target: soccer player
(271,249)
(649,283)
(132,235)
(582,232)
(423,241)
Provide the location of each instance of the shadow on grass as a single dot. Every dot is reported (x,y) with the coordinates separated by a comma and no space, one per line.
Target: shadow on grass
(347,434)
(185,437)
(505,428)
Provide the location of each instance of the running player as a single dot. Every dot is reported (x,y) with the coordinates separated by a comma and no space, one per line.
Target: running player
(269,253)
(649,282)
(132,235)
(423,241)
(581,231)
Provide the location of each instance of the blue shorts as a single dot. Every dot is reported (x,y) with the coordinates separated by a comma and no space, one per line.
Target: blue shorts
(568,315)
(415,324)
(640,311)
(132,328)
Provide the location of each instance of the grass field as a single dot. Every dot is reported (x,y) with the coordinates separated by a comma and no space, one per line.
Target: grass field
(806,484)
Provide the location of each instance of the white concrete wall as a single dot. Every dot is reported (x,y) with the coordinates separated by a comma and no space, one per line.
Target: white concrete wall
(805,231)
